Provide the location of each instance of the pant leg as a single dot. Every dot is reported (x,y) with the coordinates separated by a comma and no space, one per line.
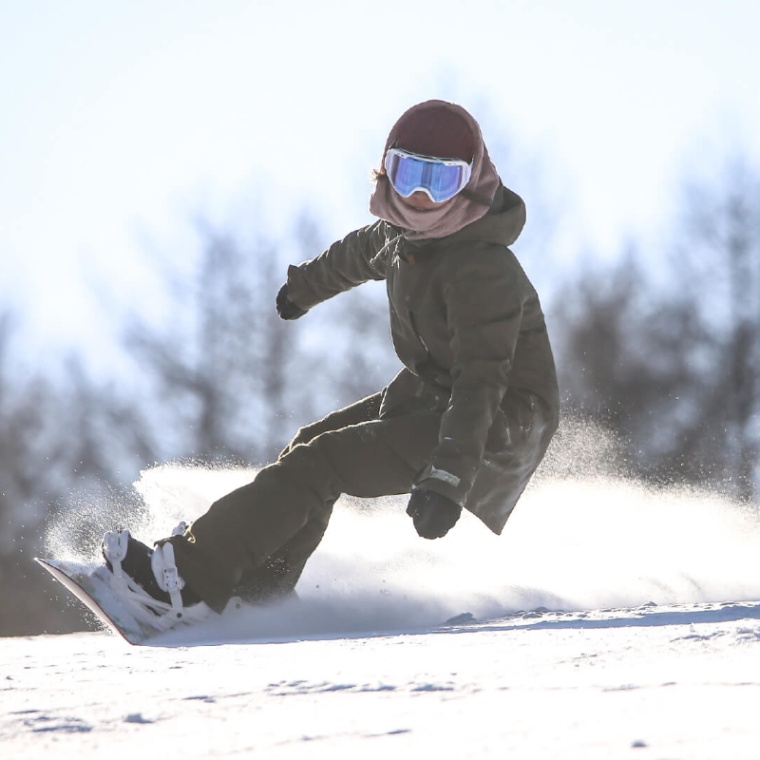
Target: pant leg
(364,410)
(278,574)
(242,530)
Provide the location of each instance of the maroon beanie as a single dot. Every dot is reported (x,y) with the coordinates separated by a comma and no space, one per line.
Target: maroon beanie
(436,131)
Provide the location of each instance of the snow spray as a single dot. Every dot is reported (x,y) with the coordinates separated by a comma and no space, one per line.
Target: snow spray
(583,536)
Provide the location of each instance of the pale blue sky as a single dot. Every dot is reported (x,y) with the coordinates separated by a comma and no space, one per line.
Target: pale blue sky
(119,121)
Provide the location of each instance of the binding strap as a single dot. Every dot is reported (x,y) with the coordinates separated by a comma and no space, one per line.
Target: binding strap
(165,569)
(115,545)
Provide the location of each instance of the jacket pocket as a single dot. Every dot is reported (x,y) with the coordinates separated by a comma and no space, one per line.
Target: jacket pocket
(513,422)
(398,395)
(409,393)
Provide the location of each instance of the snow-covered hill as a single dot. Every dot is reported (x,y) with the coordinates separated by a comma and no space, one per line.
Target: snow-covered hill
(611,621)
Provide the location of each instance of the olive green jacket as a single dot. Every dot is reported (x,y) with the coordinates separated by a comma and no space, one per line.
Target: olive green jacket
(468,327)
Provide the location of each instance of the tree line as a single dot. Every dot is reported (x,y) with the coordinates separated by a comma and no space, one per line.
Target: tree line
(667,355)
(662,349)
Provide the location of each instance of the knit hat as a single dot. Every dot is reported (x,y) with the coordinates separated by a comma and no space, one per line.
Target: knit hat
(436,131)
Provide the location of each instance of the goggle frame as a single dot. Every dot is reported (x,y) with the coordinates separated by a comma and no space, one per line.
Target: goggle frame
(439,178)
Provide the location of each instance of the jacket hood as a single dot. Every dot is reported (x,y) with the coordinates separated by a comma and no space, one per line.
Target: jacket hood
(502,223)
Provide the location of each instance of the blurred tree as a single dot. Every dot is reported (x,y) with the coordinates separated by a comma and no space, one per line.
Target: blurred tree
(228,378)
(624,355)
(718,268)
(56,438)
(346,343)
(221,381)
(674,370)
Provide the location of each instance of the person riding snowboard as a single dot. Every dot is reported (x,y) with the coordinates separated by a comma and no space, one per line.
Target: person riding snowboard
(463,425)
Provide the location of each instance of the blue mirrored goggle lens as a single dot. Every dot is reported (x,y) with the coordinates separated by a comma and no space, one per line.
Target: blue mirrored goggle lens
(441,180)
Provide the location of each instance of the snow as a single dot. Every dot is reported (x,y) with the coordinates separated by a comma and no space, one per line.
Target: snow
(611,621)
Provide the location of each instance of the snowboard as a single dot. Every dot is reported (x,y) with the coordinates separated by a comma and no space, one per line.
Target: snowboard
(94,585)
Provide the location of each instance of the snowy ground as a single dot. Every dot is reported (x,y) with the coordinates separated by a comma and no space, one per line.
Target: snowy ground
(648,646)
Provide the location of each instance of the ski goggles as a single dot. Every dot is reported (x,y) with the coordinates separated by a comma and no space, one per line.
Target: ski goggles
(440,178)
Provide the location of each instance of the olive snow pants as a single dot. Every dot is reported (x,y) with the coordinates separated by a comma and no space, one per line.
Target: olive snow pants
(255,541)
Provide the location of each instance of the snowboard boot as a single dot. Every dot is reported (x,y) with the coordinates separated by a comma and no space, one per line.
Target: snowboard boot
(149,578)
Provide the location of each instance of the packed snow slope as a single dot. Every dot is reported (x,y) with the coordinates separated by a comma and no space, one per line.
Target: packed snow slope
(611,620)
(684,687)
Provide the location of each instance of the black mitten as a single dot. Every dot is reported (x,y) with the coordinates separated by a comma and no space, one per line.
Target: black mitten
(433,514)
(285,307)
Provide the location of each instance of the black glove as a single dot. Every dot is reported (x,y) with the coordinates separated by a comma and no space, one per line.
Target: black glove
(285,307)
(433,514)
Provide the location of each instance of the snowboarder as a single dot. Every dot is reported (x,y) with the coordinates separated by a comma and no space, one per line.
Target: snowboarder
(464,424)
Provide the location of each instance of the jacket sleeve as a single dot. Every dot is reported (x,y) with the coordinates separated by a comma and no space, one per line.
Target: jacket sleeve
(484,308)
(344,265)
